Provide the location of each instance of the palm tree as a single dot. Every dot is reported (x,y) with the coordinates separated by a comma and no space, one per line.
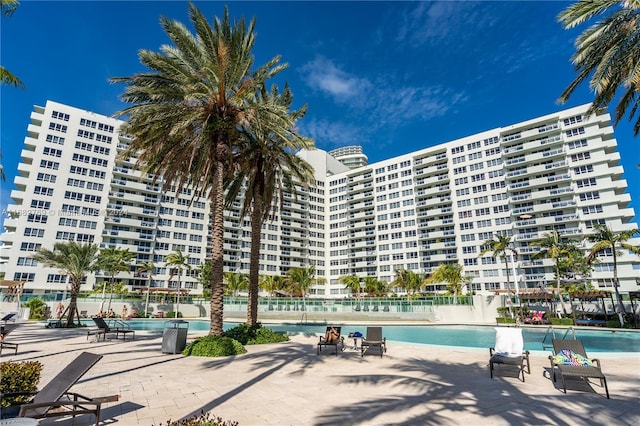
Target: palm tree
(112,261)
(352,283)
(450,273)
(606,239)
(75,260)
(500,246)
(408,280)
(236,282)
(375,286)
(177,262)
(300,280)
(6,78)
(554,246)
(608,52)
(270,284)
(146,268)
(267,165)
(188,110)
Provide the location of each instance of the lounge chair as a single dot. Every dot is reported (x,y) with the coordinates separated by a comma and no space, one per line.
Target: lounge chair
(55,400)
(509,350)
(373,339)
(104,328)
(331,338)
(4,330)
(571,359)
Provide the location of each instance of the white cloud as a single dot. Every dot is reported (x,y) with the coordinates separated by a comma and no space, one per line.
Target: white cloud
(322,74)
(329,134)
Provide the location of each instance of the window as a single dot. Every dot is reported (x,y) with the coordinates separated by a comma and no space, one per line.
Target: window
(580,156)
(44,164)
(52,152)
(30,246)
(58,127)
(592,210)
(60,115)
(24,276)
(583,169)
(594,195)
(575,132)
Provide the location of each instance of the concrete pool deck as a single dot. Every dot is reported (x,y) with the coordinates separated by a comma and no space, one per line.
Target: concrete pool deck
(288,384)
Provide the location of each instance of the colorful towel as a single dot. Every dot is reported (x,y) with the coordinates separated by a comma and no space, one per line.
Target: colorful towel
(568,357)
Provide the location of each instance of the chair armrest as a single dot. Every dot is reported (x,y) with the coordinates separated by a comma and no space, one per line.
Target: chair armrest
(596,361)
(491,351)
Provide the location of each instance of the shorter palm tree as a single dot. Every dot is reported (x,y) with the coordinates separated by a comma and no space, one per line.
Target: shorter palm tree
(177,261)
(553,246)
(300,280)
(236,282)
(375,286)
(112,261)
(606,239)
(408,280)
(146,268)
(352,283)
(450,273)
(75,260)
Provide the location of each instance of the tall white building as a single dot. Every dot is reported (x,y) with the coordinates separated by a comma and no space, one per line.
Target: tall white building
(351,156)
(414,211)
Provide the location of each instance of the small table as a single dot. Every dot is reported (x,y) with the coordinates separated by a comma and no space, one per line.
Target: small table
(355,336)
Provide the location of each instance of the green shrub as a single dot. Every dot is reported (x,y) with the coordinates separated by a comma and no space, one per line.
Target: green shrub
(256,335)
(20,376)
(214,346)
(500,320)
(37,309)
(172,314)
(561,321)
(204,419)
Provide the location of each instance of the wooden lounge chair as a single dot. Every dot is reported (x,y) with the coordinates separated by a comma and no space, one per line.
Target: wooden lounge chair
(373,339)
(104,328)
(509,350)
(331,338)
(570,358)
(4,330)
(55,400)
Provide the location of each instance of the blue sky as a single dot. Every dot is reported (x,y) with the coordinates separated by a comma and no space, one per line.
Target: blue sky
(393,77)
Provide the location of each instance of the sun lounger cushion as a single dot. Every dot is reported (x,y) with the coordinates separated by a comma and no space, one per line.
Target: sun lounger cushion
(509,341)
(568,357)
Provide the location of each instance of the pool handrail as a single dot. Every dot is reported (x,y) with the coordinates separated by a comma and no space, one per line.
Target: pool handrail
(551,331)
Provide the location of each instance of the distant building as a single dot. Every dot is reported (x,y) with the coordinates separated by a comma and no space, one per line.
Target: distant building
(414,211)
(351,156)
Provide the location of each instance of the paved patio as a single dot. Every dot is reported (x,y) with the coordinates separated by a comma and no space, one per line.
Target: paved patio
(288,384)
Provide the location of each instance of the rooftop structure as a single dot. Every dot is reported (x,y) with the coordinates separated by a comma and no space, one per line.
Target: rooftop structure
(351,156)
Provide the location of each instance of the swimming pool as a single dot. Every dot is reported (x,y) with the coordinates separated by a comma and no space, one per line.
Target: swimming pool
(472,336)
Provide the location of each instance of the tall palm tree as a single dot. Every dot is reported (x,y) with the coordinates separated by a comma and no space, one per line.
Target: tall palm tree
(186,113)
(146,268)
(270,284)
(177,261)
(267,165)
(112,261)
(553,246)
(606,239)
(75,260)
(6,78)
(450,273)
(607,52)
(352,283)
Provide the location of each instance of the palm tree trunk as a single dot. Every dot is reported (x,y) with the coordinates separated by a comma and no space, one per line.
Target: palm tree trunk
(564,308)
(73,302)
(217,251)
(506,265)
(254,265)
(146,303)
(178,295)
(621,309)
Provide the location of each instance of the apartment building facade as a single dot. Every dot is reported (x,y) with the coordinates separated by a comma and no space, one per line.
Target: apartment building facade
(414,211)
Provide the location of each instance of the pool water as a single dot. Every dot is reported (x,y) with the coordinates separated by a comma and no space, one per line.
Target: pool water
(477,336)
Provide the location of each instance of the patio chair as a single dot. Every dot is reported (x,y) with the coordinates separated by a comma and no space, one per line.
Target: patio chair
(104,328)
(4,330)
(331,338)
(55,400)
(570,358)
(373,339)
(509,350)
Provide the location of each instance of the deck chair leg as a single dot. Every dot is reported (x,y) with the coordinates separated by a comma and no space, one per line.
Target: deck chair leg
(491,369)
(606,388)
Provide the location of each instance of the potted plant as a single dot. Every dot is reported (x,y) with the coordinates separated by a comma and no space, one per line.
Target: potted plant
(19,380)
